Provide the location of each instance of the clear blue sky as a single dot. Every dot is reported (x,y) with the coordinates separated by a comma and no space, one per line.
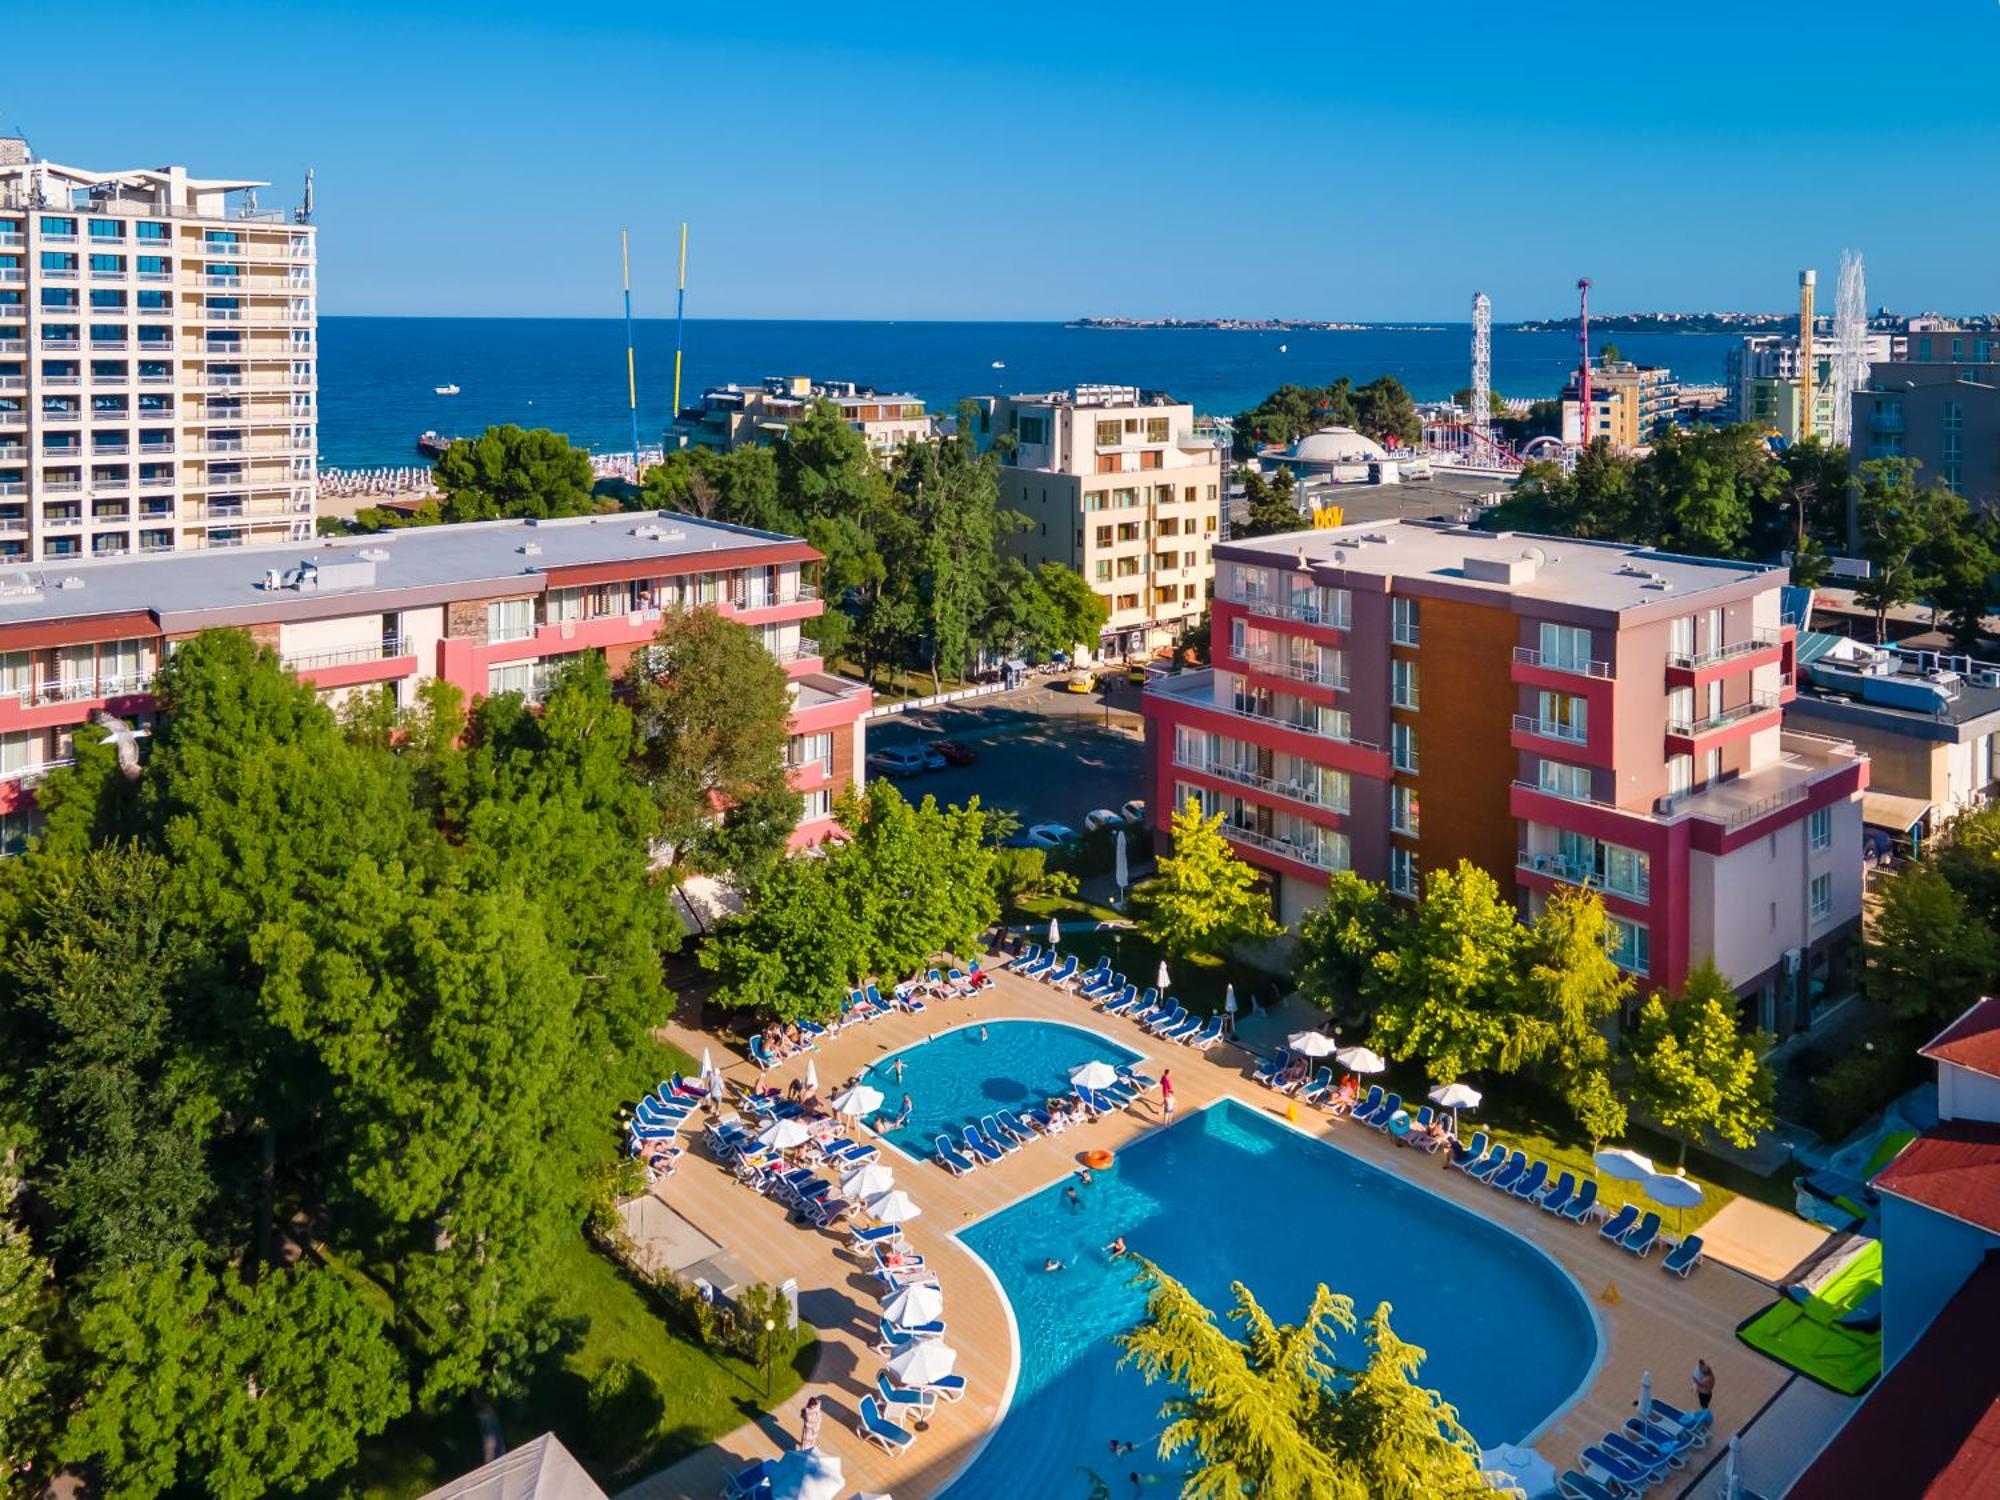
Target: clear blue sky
(884,160)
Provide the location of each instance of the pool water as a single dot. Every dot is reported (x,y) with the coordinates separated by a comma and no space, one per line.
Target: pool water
(1229,1194)
(955,1078)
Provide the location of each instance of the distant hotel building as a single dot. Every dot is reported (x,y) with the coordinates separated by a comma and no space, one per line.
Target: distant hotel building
(492,607)
(1393,697)
(1117,484)
(158,363)
(1762,374)
(1628,404)
(732,416)
(1938,402)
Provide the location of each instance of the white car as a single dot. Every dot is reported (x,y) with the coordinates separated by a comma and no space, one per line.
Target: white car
(898,761)
(1052,835)
(1133,812)
(1103,817)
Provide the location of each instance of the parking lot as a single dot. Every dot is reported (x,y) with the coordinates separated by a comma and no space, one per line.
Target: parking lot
(1045,755)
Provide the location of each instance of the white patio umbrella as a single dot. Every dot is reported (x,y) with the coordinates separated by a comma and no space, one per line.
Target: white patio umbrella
(893,1207)
(1670,1191)
(1055,933)
(785,1135)
(807,1474)
(1312,1043)
(812,1077)
(914,1305)
(707,1063)
(1164,978)
(1121,872)
(871,1181)
(1454,1097)
(857,1101)
(1646,1396)
(1519,1467)
(1360,1060)
(924,1363)
(1626,1166)
(1229,999)
(1094,1075)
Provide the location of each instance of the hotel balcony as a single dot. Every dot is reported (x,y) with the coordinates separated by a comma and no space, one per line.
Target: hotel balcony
(1313,856)
(1197,690)
(1759,648)
(1686,734)
(1575,872)
(1309,796)
(1298,670)
(1528,656)
(1305,611)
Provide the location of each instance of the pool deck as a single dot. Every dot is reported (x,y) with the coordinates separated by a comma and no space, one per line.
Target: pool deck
(1657,1322)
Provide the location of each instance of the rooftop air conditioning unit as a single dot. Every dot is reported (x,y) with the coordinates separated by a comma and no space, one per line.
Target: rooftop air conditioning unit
(1986,677)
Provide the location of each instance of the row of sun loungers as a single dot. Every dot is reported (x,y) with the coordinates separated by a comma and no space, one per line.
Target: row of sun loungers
(657,1119)
(867,1003)
(1638,1455)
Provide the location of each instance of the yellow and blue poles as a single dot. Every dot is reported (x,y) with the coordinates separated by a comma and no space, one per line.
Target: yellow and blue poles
(631,366)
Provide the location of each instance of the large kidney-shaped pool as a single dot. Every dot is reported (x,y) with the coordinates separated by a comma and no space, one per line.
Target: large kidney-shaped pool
(1228,1194)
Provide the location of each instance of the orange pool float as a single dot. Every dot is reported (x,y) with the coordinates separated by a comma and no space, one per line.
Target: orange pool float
(1097,1160)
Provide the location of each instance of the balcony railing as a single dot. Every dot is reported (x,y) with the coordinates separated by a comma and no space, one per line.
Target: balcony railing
(1757,640)
(382,650)
(1586,799)
(1759,703)
(1549,729)
(80,690)
(1577,872)
(1298,670)
(1306,854)
(1310,726)
(1528,656)
(1260,782)
(1306,612)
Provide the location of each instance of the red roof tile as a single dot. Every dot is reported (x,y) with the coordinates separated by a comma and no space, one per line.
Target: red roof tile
(1931,1429)
(1972,1041)
(1954,1169)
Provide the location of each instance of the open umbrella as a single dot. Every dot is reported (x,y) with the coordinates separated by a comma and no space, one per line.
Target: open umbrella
(807,1474)
(1164,979)
(1312,1043)
(924,1363)
(871,1181)
(1121,872)
(812,1077)
(1669,1191)
(1094,1075)
(1626,1166)
(914,1305)
(893,1207)
(1454,1097)
(785,1134)
(1055,932)
(1360,1060)
(858,1101)
(1519,1468)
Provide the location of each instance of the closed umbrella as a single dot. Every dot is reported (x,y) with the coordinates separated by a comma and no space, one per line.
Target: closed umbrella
(1646,1396)
(707,1063)
(1120,871)
(1732,1470)
(1626,1166)
(894,1207)
(1094,1075)
(1454,1097)
(871,1181)
(1055,932)
(857,1101)
(785,1135)
(1312,1043)
(914,1305)
(1360,1060)
(807,1474)
(1229,999)
(812,1077)
(1677,1193)
(1164,979)
(924,1363)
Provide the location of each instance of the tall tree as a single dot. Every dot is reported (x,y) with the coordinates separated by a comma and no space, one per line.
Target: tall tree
(509,472)
(1338,941)
(1695,1071)
(950,494)
(1402,1440)
(1928,956)
(1051,609)
(1449,989)
(1273,504)
(1204,898)
(1567,997)
(27,1410)
(1897,521)
(1384,411)
(1701,486)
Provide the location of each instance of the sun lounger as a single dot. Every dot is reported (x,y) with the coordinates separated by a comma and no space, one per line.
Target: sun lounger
(871,1239)
(978,1146)
(1532,1181)
(1575,1486)
(1466,1156)
(1209,1035)
(1042,1120)
(759,1055)
(1383,1113)
(1094,979)
(878,1430)
(1064,975)
(1024,958)
(897,1398)
(1507,1176)
(1600,1463)
(823,1213)
(1168,1022)
(812,1031)
(994,1135)
(952,1159)
(1618,1227)
(750,1483)
(960,982)
(1369,1105)
(950,1387)
(1123,1001)
(1039,965)
(1684,1257)
(1487,1170)
(889,1258)
(1640,1241)
(1015,1126)
(976,978)
(1584,1201)
(890,1337)
(1184,1030)
(1098,1103)
(1554,1199)
(1313,1092)
(1642,1455)
(1697,1424)
(1659,1436)
(1137,1082)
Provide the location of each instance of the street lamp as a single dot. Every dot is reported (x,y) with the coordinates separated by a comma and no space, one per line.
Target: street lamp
(770,1327)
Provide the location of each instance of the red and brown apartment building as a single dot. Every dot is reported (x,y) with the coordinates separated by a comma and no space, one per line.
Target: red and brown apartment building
(1392,697)
(492,607)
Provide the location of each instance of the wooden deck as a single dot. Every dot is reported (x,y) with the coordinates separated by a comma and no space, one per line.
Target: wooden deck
(1653,1321)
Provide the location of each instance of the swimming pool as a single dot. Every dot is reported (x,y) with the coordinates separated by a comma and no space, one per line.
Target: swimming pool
(955,1078)
(1231,1194)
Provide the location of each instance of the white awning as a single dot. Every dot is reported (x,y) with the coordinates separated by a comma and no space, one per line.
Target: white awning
(1895,813)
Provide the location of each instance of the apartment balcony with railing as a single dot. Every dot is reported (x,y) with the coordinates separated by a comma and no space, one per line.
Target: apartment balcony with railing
(386,649)
(1327,854)
(1694,727)
(1570,732)
(1329,608)
(1632,885)
(1312,792)
(1753,643)
(1549,661)
(77,689)
(1297,715)
(1298,668)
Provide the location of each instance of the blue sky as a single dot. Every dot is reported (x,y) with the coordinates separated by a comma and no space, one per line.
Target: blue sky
(883,160)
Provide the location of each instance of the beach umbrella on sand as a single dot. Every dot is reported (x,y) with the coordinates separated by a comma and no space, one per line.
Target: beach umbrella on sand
(1055,933)
(1094,1075)
(1164,979)
(895,1207)
(1454,1097)
(785,1135)
(812,1077)
(1626,1166)
(1677,1193)
(924,1363)
(807,1474)
(858,1101)
(1360,1060)
(871,1181)
(1646,1396)
(1121,872)
(1312,1043)
(914,1305)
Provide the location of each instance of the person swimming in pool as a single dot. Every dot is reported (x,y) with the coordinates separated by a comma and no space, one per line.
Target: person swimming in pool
(982,1033)
(1116,1248)
(1071,1197)
(1052,1264)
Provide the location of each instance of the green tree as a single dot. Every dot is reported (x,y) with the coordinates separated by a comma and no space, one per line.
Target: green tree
(949,493)
(1204,898)
(1384,411)
(1808,512)
(1449,990)
(1609,355)
(1273,504)
(1051,609)
(798,948)
(1597,500)
(1896,521)
(1928,956)
(1569,994)
(1694,1071)
(921,875)
(1402,1440)
(739,487)
(510,472)
(1961,559)
(713,713)
(1338,941)
(26,1302)
(1700,487)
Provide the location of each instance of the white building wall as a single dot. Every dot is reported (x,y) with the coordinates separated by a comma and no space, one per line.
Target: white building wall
(1966,1095)
(422,630)
(346,633)
(1748,907)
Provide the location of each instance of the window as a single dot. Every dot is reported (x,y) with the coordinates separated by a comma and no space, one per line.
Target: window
(1819,828)
(1403,621)
(1403,871)
(1565,647)
(1680,775)
(1565,716)
(523,677)
(1156,429)
(1680,638)
(1820,897)
(17,673)
(1109,434)
(1629,944)
(564,606)
(1403,683)
(510,620)
(1403,809)
(20,752)
(812,750)
(1032,427)
(1563,780)
(1403,746)
(817,804)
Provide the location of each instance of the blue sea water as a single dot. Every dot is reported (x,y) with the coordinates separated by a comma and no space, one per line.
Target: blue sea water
(1229,1194)
(377,375)
(954,1079)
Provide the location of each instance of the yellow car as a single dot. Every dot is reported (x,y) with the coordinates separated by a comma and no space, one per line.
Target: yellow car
(1137,673)
(1080,682)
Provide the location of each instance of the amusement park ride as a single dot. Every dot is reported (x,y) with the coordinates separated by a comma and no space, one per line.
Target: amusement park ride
(1470,437)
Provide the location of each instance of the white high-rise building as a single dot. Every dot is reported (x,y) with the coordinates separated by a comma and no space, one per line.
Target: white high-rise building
(158,363)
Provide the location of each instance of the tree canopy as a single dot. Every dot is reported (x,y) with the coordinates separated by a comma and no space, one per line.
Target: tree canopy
(505,473)
(1382,409)
(1695,1071)
(1448,990)
(1204,898)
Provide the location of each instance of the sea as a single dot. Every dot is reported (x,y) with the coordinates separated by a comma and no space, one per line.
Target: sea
(378,376)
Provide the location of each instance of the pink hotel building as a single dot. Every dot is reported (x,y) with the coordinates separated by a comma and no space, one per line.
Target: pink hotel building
(1391,697)
(492,607)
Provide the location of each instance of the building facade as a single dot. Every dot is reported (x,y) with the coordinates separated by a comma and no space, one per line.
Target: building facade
(1393,697)
(731,416)
(1944,412)
(1763,379)
(158,363)
(1117,484)
(1628,404)
(492,607)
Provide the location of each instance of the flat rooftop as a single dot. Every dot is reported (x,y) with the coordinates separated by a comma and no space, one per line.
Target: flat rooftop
(1600,575)
(229,581)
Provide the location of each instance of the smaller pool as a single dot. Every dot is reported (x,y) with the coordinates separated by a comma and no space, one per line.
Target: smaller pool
(955,1078)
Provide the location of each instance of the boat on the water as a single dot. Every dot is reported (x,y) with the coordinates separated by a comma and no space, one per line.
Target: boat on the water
(433,445)
(999,364)
(446,390)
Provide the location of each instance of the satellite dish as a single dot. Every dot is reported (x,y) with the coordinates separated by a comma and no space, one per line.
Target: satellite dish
(1535,555)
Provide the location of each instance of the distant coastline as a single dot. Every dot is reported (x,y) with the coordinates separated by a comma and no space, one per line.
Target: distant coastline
(1669,322)
(1252,325)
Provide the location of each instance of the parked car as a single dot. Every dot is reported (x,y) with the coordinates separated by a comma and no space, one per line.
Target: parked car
(1137,673)
(933,759)
(1052,836)
(898,761)
(1079,682)
(1134,812)
(1102,817)
(956,752)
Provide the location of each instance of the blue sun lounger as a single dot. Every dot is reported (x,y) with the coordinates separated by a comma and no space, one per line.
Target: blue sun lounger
(1618,1469)
(1004,1139)
(1617,1227)
(1064,974)
(1139,1083)
(1486,1170)
(1507,1176)
(1168,1022)
(978,1145)
(1554,1199)
(900,1398)
(1573,1485)
(1313,1092)
(1123,1001)
(1684,1257)
(1467,1156)
(952,1159)
(950,1387)
(1640,1241)
(1661,1438)
(1015,1126)
(1184,1031)
(894,1336)
(750,1483)
(1369,1105)
(1532,1181)
(881,1234)
(1209,1035)
(1696,1424)
(1383,1113)
(1024,958)
(1640,1455)
(1584,1201)
(1039,965)
(879,1430)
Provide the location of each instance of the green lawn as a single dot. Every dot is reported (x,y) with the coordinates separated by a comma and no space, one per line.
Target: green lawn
(1199,984)
(665,1398)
